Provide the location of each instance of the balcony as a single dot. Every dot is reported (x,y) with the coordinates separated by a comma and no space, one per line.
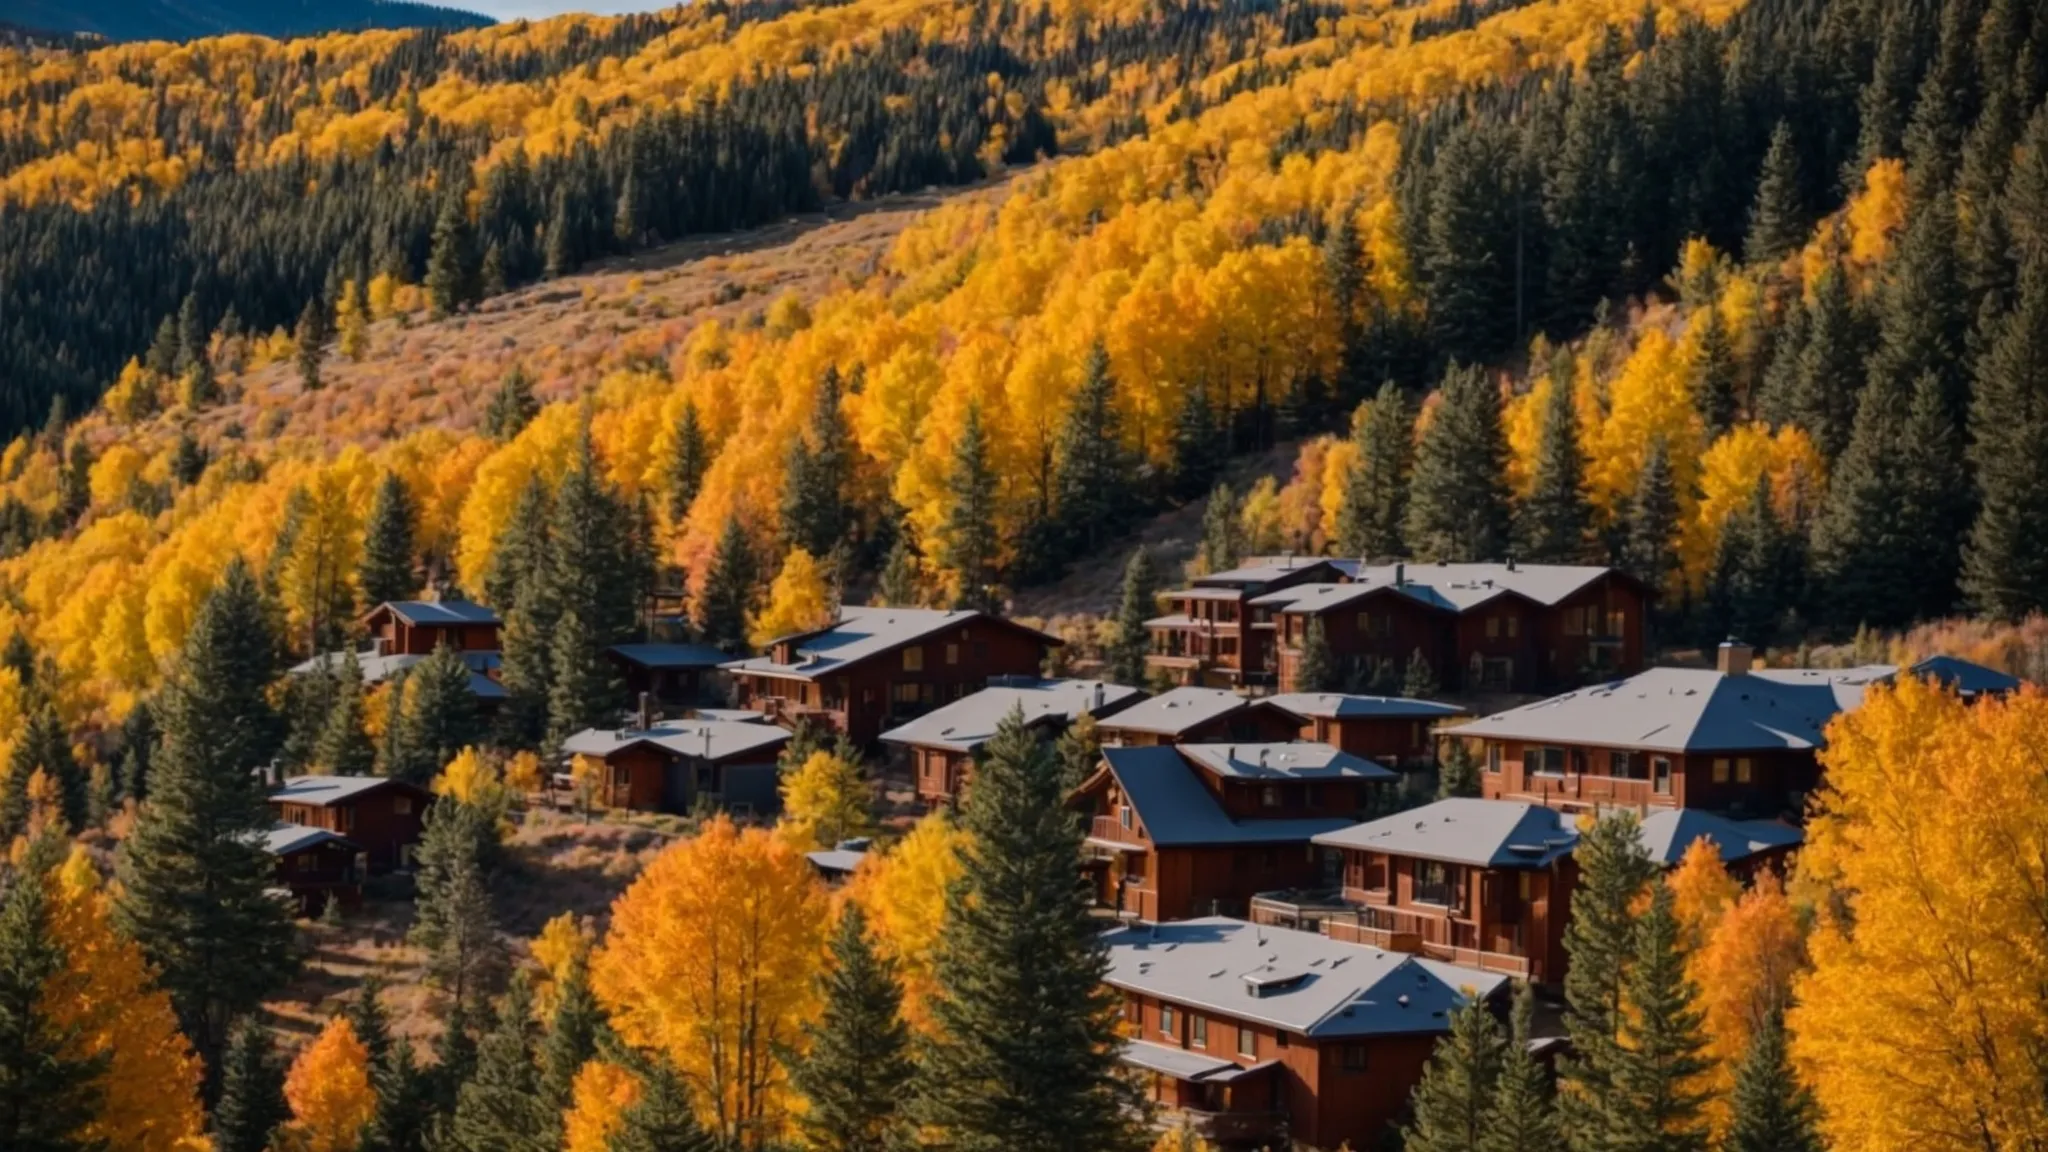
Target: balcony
(1233,1129)
(1111,829)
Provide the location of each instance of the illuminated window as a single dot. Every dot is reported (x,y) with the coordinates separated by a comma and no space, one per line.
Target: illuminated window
(1720,770)
(913,659)
(1742,770)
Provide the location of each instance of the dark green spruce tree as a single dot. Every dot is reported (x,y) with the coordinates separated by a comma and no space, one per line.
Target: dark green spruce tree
(440,717)
(1936,511)
(728,590)
(1770,1110)
(1140,599)
(453,268)
(586,691)
(1222,543)
(896,584)
(1468,257)
(576,1031)
(1649,548)
(387,571)
(1457,775)
(1653,1101)
(46,1097)
(1585,189)
(345,747)
(1715,381)
(1522,1116)
(455,923)
(1022,1055)
(1827,375)
(1315,668)
(251,1104)
(500,1107)
(1553,523)
(599,564)
(686,467)
(1777,221)
(1095,477)
(968,546)
(1454,1099)
(2005,563)
(1418,679)
(816,512)
(1369,520)
(661,1120)
(195,877)
(43,745)
(1457,497)
(1600,942)
(309,342)
(1196,456)
(858,1067)
(1859,552)
(512,406)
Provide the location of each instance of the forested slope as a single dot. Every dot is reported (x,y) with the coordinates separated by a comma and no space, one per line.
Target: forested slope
(190,19)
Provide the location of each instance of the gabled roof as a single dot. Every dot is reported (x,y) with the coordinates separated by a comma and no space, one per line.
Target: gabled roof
(320,791)
(1346,706)
(438,613)
(1667,834)
(1952,672)
(863,633)
(1472,832)
(1181,709)
(1178,812)
(670,655)
(707,739)
(1682,710)
(1300,982)
(1451,587)
(1266,570)
(1291,760)
(735,715)
(968,723)
(379,668)
(840,859)
(283,839)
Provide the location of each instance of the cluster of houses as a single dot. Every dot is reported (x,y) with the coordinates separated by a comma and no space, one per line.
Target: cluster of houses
(1286,954)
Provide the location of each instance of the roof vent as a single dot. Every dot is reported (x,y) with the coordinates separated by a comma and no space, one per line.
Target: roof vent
(1402,999)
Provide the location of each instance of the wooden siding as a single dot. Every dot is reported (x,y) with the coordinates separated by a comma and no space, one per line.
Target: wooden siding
(1500,919)
(1393,742)
(317,874)
(1250,723)
(395,637)
(385,822)
(1758,783)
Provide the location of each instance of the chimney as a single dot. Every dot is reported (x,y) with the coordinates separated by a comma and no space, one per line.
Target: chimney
(1511,562)
(1733,657)
(1400,573)
(377,645)
(646,711)
(1098,695)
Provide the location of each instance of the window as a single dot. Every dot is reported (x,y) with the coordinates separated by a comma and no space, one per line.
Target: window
(1620,765)
(1493,627)
(1247,1043)
(1436,883)
(1574,622)
(1617,625)
(1546,761)
(305,862)
(1198,1031)
(952,653)
(904,693)
(1514,626)
(1525,884)
(913,658)
(1269,796)
(1123,815)
(1742,770)
(401,806)
(1493,759)
(1166,1022)
(347,820)
(1720,770)
(1353,1057)
(1660,775)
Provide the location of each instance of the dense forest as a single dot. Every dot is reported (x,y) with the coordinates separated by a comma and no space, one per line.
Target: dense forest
(170,20)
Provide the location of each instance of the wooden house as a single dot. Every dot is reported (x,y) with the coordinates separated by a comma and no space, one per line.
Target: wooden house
(876,668)
(1200,715)
(678,674)
(1393,730)
(381,815)
(1189,830)
(314,866)
(417,627)
(672,765)
(1211,637)
(1481,627)
(378,669)
(1262,1037)
(942,745)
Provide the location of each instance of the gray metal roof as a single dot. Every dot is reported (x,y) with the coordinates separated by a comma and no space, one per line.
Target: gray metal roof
(440,612)
(1300,982)
(1453,587)
(1173,712)
(862,632)
(1179,1063)
(1261,570)
(1291,760)
(379,668)
(841,860)
(1473,832)
(735,715)
(320,791)
(1345,706)
(283,839)
(1178,812)
(705,739)
(967,723)
(1667,834)
(1682,710)
(671,655)
(1952,672)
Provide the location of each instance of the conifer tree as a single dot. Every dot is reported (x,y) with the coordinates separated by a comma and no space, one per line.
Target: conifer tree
(452,266)
(1921,324)
(1079,749)
(1315,669)
(586,690)
(1653,1100)
(1600,942)
(1714,377)
(1457,776)
(440,717)
(686,468)
(194,873)
(251,1104)
(857,1067)
(575,1031)
(728,591)
(310,341)
(1521,1117)
(192,335)
(598,564)
(1453,1100)
(500,1108)
(1370,517)
(1094,479)
(661,1120)
(520,554)
(366,1016)
(1859,550)
(42,746)
(897,584)
(1585,186)
(188,460)
(1127,648)
(1195,456)
(138,746)
(1777,221)
(1221,543)
(405,1101)
(1828,372)
(1553,523)
(815,514)
(1418,680)
(344,747)
(1935,510)
(1770,1110)
(455,924)
(968,546)
(1649,548)
(512,406)
(2006,560)
(1022,1055)
(387,571)
(1457,499)
(1467,254)
(352,321)
(47,1096)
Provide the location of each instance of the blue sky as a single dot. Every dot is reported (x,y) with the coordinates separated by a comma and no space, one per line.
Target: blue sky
(533,9)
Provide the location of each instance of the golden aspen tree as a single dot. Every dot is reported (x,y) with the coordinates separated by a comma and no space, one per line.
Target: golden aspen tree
(1745,969)
(470,778)
(328,1088)
(827,799)
(799,600)
(599,1098)
(903,892)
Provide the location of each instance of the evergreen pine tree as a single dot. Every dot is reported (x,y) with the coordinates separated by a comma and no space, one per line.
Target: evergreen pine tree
(897,584)
(47,1097)
(661,1120)
(598,564)
(1649,548)
(405,1101)
(586,691)
(728,591)
(500,1108)
(162,358)
(192,335)
(188,460)
(1777,221)
(452,265)
(520,554)
(686,467)
(2006,561)
(1418,680)
(453,1064)
(366,1015)
(1022,1055)
(1344,267)
(815,512)
(1828,375)
(454,924)
(1457,498)
(1770,1110)
(1094,480)
(1457,775)
(575,1031)
(387,570)
(1195,456)
(1374,507)
(857,1067)
(251,1104)
(138,746)
(42,746)
(1127,648)
(1521,1116)
(1715,384)
(345,748)
(1921,324)
(440,717)
(194,872)
(1935,509)
(1453,1100)
(1585,188)
(1599,940)
(1315,668)
(310,341)
(967,545)
(1553,523)
(1221,544)
(1467,256)
(1654,1102)
(512,406)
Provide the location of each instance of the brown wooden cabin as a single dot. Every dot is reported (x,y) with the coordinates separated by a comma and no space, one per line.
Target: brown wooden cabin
(1200,716)
(1263,1037)
(417,627)
(1393,730)
(876,668)
(677,674)
(315,865)
(1191,830)
(941,745)
(1481,627)
(1211,637)
(381,815)
(673,765)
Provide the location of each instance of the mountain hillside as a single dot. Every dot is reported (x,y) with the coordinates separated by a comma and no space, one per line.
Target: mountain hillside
(191,19)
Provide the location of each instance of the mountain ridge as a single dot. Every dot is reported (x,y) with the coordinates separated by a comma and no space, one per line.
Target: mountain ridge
(130,20)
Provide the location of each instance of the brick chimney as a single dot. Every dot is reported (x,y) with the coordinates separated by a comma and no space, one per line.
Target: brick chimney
(1733,657)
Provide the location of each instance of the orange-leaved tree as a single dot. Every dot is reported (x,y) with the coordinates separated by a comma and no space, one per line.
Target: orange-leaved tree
(903,892)
(329,1091)
(709,962)
(599,1098)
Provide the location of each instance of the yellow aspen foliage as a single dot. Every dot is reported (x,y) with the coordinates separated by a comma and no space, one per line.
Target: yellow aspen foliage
(351,323)
(469,777)
(1650,397)
(1728,472)
(1702,891)
(328,1088)
(826,800)
(903,892)
(562,941)
(787,316)
(1744,969)
(134,396)
(383,294)
(1258,519)
(114,474)
(710,960)
(1922,1020)
(523,772)
(799,600)
(106,997)
(599,1097)
(1877,213)
(1182,1139)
